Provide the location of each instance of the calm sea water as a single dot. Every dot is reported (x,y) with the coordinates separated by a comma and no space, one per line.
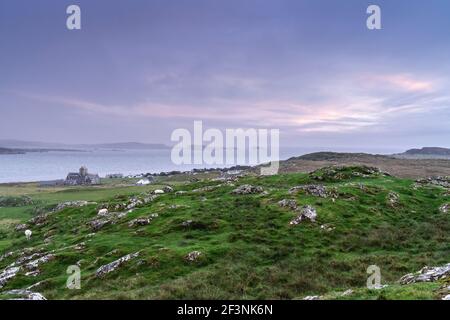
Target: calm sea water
(55,165)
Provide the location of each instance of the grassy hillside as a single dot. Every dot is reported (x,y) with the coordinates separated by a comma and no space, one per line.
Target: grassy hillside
(248,248)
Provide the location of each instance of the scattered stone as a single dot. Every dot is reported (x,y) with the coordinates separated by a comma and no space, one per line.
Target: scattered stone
(288,203)
(427,274)
(193,256)
(306,212)
(392,198)
(39,220)
(74,204)
(98,224)
(187,223)
(247,189)
(33,265)
(103,212)
(21,227)
(139,222)
(34,273)
(80,246)
(312,189)
(110,267)
(436,181)
(168,189)
(327,227)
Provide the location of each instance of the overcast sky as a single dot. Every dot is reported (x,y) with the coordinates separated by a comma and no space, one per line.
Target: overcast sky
(137,70)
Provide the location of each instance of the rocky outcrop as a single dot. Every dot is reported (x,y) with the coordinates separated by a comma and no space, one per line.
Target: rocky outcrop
(288,203)
(427,274)
(39,220)
(99,223)
(193,256)
(25,294)
(139,222)
(306,213)
(311,189)
(7,275)
(247,189)
(72,204)
(435,181)
(110,267)
(21,227)
(392,199)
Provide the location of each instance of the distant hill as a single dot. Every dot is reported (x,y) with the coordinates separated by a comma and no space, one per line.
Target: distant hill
(425,153)
(430,150)
(10,151)
(19,144)
(125,145)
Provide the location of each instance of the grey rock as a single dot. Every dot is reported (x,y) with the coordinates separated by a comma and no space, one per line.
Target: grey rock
(193,256)
(247,189)
(427,274)
(110,267)
(306,212)
(26,294)
(288,203)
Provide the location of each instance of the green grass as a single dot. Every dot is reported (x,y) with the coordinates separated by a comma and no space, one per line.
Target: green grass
(250,250)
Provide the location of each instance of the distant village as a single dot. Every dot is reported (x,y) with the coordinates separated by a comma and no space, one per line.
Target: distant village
(84,178)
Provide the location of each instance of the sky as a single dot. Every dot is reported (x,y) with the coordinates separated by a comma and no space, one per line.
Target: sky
(137,70)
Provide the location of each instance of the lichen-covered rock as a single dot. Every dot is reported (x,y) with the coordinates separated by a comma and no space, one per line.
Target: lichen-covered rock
(312,189)
(193,256)
(393,198)
(34,264)
(288,203)
(442,181)
(7,275)
(110,267)
(21,227)
(39,220)
(427,274)
(306,213)
(247,189)
(168,189)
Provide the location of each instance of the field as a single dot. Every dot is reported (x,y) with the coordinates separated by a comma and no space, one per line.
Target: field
(247,248)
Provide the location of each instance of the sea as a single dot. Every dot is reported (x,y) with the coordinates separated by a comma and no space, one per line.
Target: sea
(53,165)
